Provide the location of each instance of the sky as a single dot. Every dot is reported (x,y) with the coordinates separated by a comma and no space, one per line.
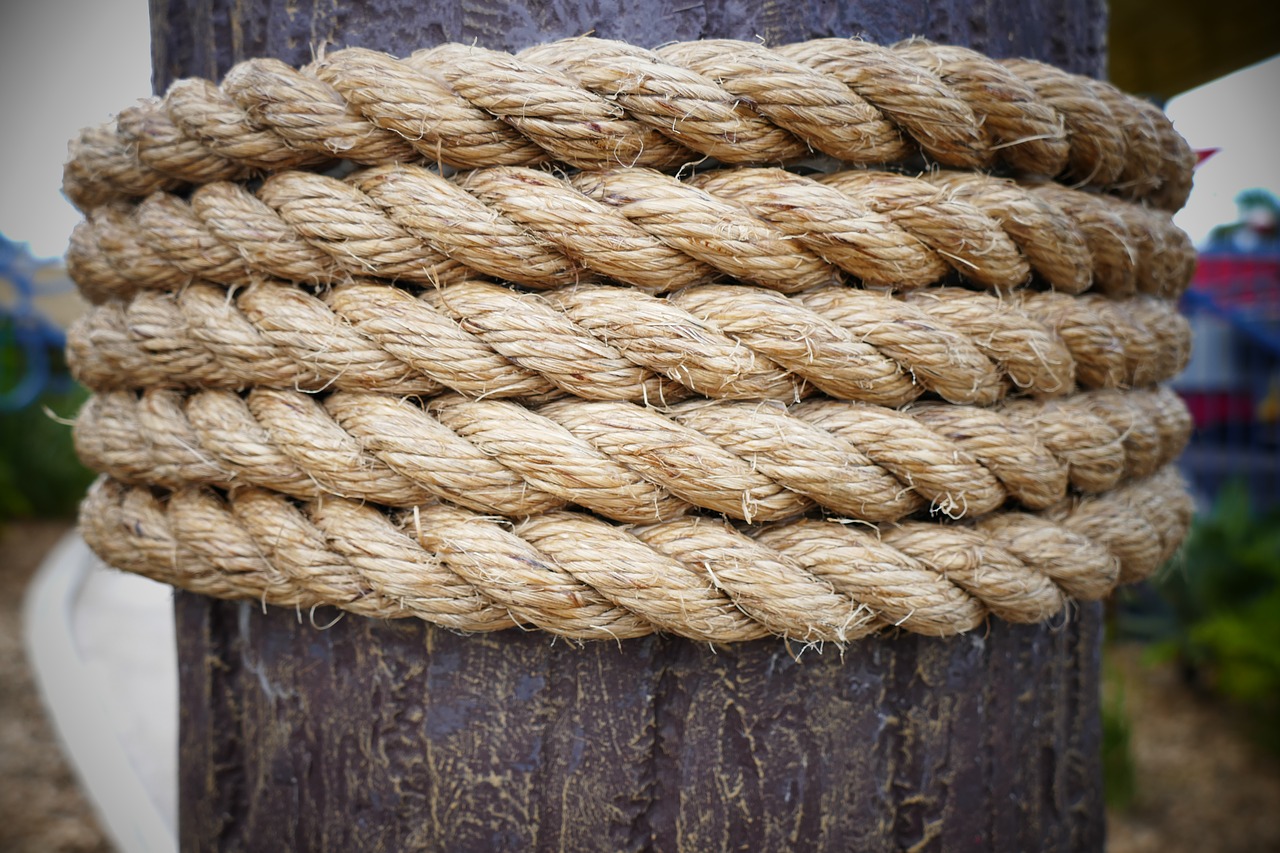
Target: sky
(65,64)
(1240,114)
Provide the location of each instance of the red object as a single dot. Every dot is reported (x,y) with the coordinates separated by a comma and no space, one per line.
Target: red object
(1241,281)
(1203,154)
(1247,287)
(1210,408)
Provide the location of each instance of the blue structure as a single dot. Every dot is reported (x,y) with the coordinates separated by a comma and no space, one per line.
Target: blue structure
(30,343)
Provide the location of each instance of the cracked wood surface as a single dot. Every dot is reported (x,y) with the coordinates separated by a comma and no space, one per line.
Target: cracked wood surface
(400,736)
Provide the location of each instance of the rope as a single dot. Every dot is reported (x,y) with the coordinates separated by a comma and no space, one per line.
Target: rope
(752,461)
(612,343)
(595,104)
(693,576)
(634,226)
(497,341)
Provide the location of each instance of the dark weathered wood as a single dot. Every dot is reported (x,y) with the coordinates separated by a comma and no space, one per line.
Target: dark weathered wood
(394,736)
(398,736)
(204,37)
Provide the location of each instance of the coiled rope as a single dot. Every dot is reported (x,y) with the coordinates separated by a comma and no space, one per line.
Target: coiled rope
(695,576)
(612,343)
(604,400)
(634,226)
(594,103)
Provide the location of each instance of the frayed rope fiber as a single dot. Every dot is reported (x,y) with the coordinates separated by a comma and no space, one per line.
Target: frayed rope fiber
(575,575)
(613,343)
(635,226)
(602,384)
(592,104)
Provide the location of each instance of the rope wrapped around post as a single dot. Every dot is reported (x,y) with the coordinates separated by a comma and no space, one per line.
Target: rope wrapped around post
(768,227)
(608,341)
(695,576)
(594,103)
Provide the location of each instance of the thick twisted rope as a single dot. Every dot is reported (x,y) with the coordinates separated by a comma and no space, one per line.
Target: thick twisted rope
(593,104)
(278,424)
(576,576)
(752,461)
(635,226)
(611,343)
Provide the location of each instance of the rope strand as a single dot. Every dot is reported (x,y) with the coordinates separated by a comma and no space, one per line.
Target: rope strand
(697,577)
(610,343)
(634,226)
(598,104)
(751,461)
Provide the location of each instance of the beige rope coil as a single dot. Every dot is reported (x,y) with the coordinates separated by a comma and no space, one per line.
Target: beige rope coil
(611,343)
(634,226)
(603,400)
(752,461)
(693,576)
(593,104)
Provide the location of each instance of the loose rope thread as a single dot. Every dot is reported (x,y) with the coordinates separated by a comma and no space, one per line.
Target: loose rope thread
(698,577)
(593,104)
(751,461)
(635,226)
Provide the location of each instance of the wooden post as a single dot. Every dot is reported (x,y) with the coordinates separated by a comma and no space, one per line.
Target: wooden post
(398,736)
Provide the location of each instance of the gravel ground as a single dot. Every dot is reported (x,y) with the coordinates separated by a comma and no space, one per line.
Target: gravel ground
(1200,785)
(41,807)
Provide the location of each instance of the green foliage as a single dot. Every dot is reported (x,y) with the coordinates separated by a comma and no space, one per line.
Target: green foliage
(39,472)
(1225,596)
(1118,773)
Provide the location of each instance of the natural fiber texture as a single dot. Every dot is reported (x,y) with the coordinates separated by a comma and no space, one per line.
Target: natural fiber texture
(612,343)
(751,461)
(604,400)
(695,576)
(593,104)
(635,226)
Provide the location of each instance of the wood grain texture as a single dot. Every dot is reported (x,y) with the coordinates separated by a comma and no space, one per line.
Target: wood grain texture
(399,736)
(205,37)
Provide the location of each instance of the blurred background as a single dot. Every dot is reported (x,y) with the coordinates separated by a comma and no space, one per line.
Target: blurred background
(1192,684)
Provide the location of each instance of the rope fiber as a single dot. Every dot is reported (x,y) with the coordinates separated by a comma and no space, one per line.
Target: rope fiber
(596,104)
(720,340)
(694,576)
